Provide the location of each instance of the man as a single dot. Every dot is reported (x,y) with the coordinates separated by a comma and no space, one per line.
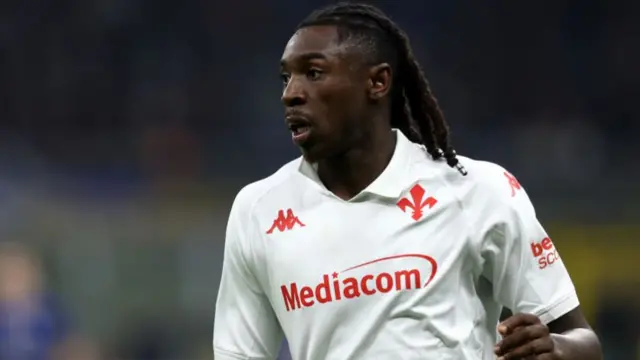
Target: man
(381,243)
(32,324)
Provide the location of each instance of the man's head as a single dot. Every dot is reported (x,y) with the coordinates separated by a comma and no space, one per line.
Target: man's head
(19,272)
(348,64)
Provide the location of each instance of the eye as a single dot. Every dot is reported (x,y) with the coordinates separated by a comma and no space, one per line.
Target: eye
(314,74)
(285,78)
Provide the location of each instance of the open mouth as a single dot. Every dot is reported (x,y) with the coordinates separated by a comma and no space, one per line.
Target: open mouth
(300,128)
(300,133)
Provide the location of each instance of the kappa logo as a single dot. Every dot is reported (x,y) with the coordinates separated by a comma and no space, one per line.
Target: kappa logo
(284,223)
(513,183)
(417,204)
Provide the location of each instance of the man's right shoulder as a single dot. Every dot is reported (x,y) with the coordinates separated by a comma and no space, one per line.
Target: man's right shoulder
(255,192)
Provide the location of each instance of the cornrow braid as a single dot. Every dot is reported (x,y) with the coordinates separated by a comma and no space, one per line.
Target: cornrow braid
(414,108)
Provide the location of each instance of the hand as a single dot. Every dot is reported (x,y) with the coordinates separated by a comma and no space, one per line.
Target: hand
(525,337)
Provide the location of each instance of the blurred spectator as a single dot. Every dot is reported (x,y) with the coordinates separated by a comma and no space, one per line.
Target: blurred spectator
(32,324)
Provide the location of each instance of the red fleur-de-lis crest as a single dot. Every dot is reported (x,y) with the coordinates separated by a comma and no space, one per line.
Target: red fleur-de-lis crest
(416,203)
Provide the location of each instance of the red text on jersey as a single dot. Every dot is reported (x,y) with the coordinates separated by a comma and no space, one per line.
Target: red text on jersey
(544,252)
(336,288)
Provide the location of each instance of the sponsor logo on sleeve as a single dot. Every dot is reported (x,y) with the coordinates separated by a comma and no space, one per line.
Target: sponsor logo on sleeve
(545,253)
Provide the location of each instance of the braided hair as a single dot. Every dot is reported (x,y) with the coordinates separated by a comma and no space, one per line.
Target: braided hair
(414,108)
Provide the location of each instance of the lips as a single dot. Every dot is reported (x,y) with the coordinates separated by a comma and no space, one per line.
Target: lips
(300,127)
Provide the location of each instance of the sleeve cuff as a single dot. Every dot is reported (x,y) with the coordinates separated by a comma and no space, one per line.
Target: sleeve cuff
(559,308)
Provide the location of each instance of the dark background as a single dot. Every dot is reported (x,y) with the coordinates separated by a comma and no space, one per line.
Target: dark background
(127,126)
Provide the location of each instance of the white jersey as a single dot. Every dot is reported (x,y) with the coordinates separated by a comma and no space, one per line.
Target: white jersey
(417,266)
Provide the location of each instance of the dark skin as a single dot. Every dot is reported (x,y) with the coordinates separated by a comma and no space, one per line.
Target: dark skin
(346,103)
(567,338)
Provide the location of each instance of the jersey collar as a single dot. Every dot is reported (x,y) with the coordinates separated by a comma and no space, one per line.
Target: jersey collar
(392,181)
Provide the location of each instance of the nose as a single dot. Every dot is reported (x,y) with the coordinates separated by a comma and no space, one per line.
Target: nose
(294,93)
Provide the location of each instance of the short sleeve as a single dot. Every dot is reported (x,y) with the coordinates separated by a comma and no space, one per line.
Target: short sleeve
(245,326)
(520,259)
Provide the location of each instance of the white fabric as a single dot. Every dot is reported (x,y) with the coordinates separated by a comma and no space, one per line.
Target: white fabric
(365,279)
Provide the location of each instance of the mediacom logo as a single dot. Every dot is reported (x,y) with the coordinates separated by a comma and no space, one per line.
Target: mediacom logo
(545,252)
(336,289)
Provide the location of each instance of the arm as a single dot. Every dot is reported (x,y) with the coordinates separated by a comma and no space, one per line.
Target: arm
(245,326)
(529,277)
(525,336)
(573,337)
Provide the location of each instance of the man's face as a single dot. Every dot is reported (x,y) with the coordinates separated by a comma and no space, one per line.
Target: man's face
(325,94)
(18,276)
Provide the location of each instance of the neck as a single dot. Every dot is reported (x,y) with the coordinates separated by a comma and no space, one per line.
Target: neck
(347,174)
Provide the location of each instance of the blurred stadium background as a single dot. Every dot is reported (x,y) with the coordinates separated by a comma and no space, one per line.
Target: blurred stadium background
(126,128)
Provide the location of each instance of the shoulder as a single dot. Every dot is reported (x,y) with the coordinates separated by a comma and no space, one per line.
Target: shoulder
(242,223)
(259,191)
(488,177)
(487,187)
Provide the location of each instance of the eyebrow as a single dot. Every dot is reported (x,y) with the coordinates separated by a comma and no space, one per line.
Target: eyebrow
(307,56)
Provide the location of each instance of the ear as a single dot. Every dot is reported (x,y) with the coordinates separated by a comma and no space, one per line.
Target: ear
(379,81)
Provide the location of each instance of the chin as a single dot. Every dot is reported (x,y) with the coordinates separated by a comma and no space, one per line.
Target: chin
(316,152)
(310,157)
(313,154)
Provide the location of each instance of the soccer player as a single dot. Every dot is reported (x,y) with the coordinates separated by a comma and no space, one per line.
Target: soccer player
(380,242)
